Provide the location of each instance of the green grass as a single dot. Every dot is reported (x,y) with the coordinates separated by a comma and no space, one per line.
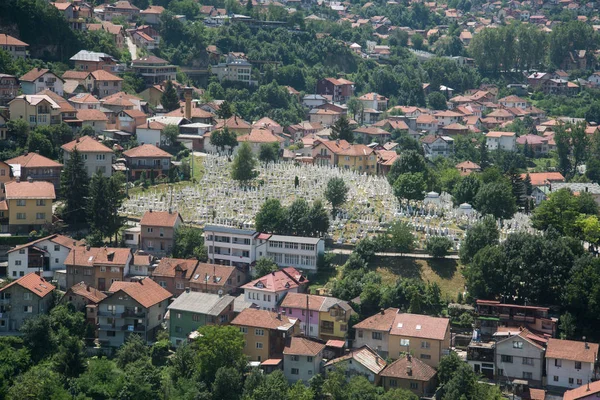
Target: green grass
(197,175)
(543,164)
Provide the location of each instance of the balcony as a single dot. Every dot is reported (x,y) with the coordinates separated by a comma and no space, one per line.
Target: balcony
(133,314)
(131,328)
(113,314)
(107,327)
(481,352)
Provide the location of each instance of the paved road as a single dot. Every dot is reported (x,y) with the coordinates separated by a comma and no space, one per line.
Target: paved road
(408,255)
(131,47)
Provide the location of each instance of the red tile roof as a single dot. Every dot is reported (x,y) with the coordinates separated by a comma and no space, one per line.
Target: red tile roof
(56,238)
(582,392)
(146,151)
(84,290)
(8,40)
(277,281)
(75,75)
(419,371)
(301,346)
(212,274)
(102,75)
(146,291)
(572,350)
(404,324)
(33,160)
(543,178)
(260,136)
(29,190)
(96,256)
(299,300)
(263,319)
(160,218)
(171,267)
(34,74)
(86,144)
(34,283)
(91,115)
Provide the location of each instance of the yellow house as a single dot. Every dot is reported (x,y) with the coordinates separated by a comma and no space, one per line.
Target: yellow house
(334,318)
(359,158)
(265,333)
(29,205)
(35,110)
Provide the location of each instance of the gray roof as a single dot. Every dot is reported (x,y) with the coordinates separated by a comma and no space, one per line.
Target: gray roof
(201,303)
(228,229)
(294,239)
(592,188)
(332,301)
(85,55)
(240,304)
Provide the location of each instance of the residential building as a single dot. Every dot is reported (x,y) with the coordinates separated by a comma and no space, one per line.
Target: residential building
(372,134)
(43,256)
(320,317)
(96,156)
(174,274)
(37,110)
(102,83)
(467,168)
(92,61)
(120,9)
(234,123)
(9,89)
(588,391)
(519,357)
(265,333)
(143,264)
(481,356)
(374,101)
(213,278)
(129,119)
(323,116)
(38,167)
(448,117)
(409,373)
(361,361)
(135,307)
(84,101)
(39,79)
(192,310)
(149,159)
(501,141)
(230,246)
(392,334)
(302,358)
(437,146)
(158,230)
(29,205)
(234,69)
(290,251)
(268,290)
(358,158)
(99,267)
(13,46)
(570,364)
(154,70)
(513,102)
(259,136)
(151,15)
(427,123)
(539,179)
(84,298)
(95,119)
(25,298)
(491,315)
(340,89)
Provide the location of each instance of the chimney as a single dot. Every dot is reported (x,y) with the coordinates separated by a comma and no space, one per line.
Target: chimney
(148,122)
(87,287)
(30,179)
(170,211)
(87,247)
(279,316)
(409,370)
(382,311)
(187,94)
(37,151)
(187,289)
(586,344)
(150,210)
(18,179)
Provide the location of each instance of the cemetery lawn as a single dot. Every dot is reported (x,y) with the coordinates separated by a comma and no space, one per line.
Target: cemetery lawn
(446,273)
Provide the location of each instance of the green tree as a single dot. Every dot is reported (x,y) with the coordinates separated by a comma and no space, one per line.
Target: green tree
(219,346)
(448,366)
(273,387)
(318,218)
(341,130)
(496,199)
(438,246)
(297,218)
(270,217)
(264,266)
(14,360)
(169,98)
(563,150)
(38,142)
(402,239)
(567,326)
(559,211)
(35,335)
(336,193)
(466,190)
(225,111)
(269,152)
(189,243)
(410,186)
(69,359)
(483,233)
(39,382)
(74,187)
(142,380)
(102,380)
(437,101)
(486,274)
(228,383)
(409,162)
(170,133)
(132,350)
(243,165)
(223,139)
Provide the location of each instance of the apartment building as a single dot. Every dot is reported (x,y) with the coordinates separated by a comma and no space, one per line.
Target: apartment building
(492,315)
(99,267)
(230,246)
(158,230)
(96,156)
(290,251)
(302,358)
(215,278)
(234,69)
(154,70)
(27,297)
(501,141)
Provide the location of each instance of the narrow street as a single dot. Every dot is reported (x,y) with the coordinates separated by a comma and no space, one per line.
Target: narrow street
(132,48)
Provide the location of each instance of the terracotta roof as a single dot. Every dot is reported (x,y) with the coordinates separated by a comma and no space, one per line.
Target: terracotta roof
(260,136)
(34,283)
(371,130)
(213,274)
(75,75)
(91,115)
(357,150)
(142,258)
(146,150)
(33,160)
(531,139)
(298,300)
(8,40)
(160,218)
(572,350)
(170,267)
(419,371)
(582,392)
(34,74)
(134,113)
(301,346)
(512,99)
(394,124)
(233,123)
(263,319)
(277,281)
(380,321)
(196,112)
(145,291)
(56,238)
(266,122)
(539,394)
(467,165)
(29,190)
(121,95)
(542,178)
(150,60)
(448,113)
(365,356)
(96,256)
(86,144)
(61,6)
(455,127)
(153,10)
(152,125)
(84,98)
(497,134)
(64,105)
(421,326)
(84,290)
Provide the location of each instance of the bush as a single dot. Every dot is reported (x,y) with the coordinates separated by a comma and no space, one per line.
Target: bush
(438,246)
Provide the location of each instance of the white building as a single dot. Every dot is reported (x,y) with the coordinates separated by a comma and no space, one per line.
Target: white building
(437,146)
(44,255)
(302,359)
(501,141)
(361,361)
(268,290)
(230,246)
(518,357)
(291,251)
(96,156)
(570,364)
(39,79)
(234,69)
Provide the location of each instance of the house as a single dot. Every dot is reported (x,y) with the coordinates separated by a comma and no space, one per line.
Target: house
(38,167)
(501,141)
(84,298)
(519,357)
(191,310)
(158,230)
(544,178)
(392,334)
(95,119)
(259,136)
(374,101)
(174,274)
(93,61)
(268,290)
(97,266)
(13,46)
(147,159)
(39,79)
(437,146)
(215,279)
(513,102)
(85,101)
(409,373)
(537,144)
(447,117)
(323,116)
(43,256)
(492,315)
(29,205)
(135,307)
(120,9)
(372,134)
(290,251)
(340,89)
(313,101)
(362,361)
(302,358)
(129,119)
(96,156)
(234,69)
(359,158)
(570,364)
(467,168)
(154,70)
(9,89)
(320,317)
(151,15)
(102,83)
(37,110)
(427,123)
(230,246)
(588,391)
(392,124)
(265,333)
(27,297)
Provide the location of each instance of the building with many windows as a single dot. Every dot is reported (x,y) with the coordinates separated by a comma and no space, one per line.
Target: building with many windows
(570,364)
(96,156)
(27,297)
(234,69)
(230,246)
(268,290)
(291,251)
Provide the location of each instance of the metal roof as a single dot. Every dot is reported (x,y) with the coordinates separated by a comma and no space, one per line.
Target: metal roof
(202,303)
(228,229)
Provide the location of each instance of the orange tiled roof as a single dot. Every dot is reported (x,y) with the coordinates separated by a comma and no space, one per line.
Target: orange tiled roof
(86,144)
(84,290)
(582,392)
(91,115)
(262,319)
(280,280)
(572,350)
(146,150)
(146,291)
(301,346)
(160,218)
(8,40)
(419,370)
(92,256)
(29,190)
(34,283)
(168,267)
(260,136)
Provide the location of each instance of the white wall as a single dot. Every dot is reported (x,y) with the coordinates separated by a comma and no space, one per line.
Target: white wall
(145,135)
(380,346)
(258,297)
(57,260)
(306,369)
(567,370)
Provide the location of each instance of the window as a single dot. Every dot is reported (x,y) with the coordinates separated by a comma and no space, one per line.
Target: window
(28,309)
(100,157)
(414,385)
(40,215)
(517,345)
(360,334)
(393,383)
(115,269)
(377,336)
(571,381)
(580,382)
(577,364)
(295,358)
(22,251)
(27,296)
(527,375)
(527,361)
(404,342)
(102,269)
(149,230)
(259,332)
(56,247)
(178,315)
(259,345)
(163,284)
(309,359)
(195,317)
(555,378)
(111,333)
(243,329)
(425,345)
(17,262)
(425,357)
(21,203)
(40,202)
(178,329)
(21,216)
(87,271)
(179,286)
(343,327)
(506,359)
(295,371)
(557,363)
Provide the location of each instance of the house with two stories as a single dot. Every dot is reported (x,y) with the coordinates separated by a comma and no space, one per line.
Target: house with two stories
(361,361)
(339,89)
(99,267)
(35,166)
(36,110)
(95,119)
(570,364)
(154,70)
(191,310)
(137,307)
(22,299)
(302,358)
(290,251)
(96,156)
(149,159)
(496,140)
(265,333)
(13,46)
(158,230)
(174,274)
(409,373)
(267,291)
(9,89)
(84,298)
(29,205)
(491,315)
(520,357)
(91,61)
(39,79)
(437,146)
(103,83)
(216,279)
